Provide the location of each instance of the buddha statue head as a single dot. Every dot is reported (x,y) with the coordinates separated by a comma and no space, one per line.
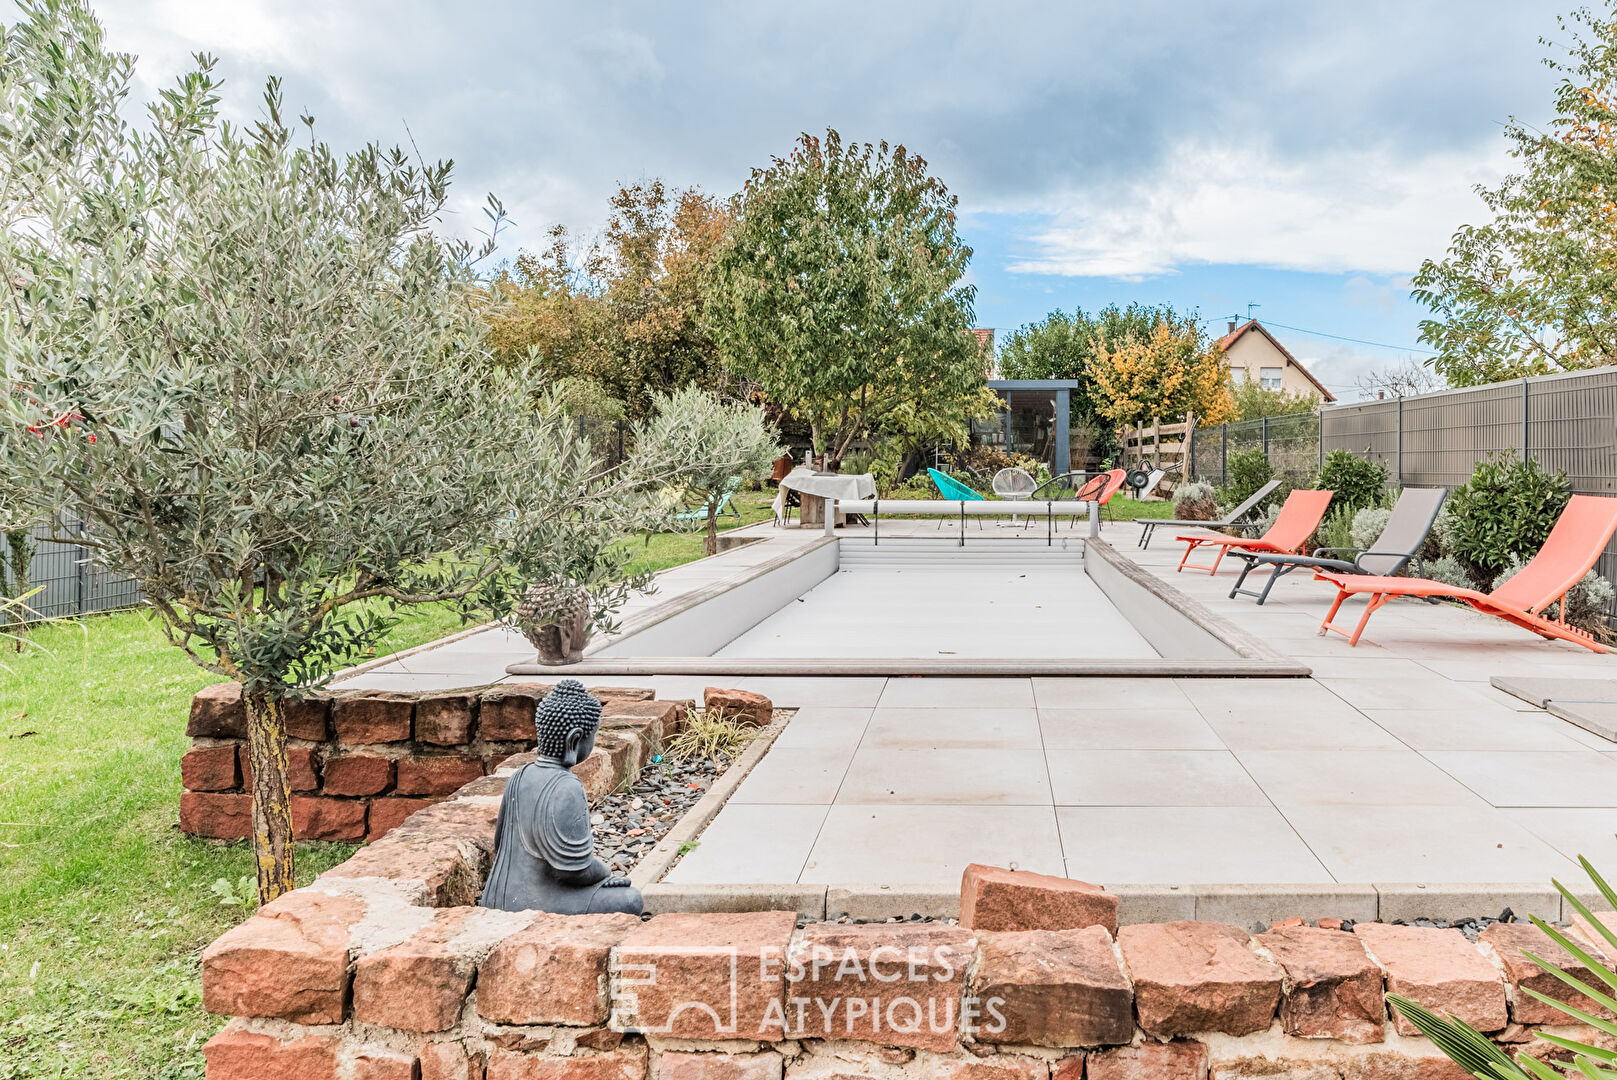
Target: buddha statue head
(566,722)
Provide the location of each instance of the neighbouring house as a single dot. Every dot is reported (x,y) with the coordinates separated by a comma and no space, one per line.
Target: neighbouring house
(985,349)
(1252,354)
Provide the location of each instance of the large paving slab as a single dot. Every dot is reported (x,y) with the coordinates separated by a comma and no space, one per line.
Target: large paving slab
(1401,760)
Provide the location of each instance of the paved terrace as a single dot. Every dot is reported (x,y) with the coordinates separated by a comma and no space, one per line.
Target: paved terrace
(1395,762)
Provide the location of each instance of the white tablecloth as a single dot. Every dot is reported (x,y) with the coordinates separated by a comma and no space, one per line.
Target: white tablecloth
(827,485)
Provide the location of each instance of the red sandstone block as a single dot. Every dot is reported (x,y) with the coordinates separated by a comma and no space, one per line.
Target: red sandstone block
(301,774)
(679,1065)
(1054,988)
(552,972)
(732,963)
(472,820)
(506,711)
(387,814)
(1333,988)
(1150,1061)
(610,695)
(1194,976)
(382,1064)
(1509,941)
(309,718)
(217,712)
(217,816)
(992,898)
(421,983)
(210,768)
(238,1054)
(894,984)
(315,817)
(288,961)
(358,774)
(1394,1066)
(663,717)
(369,717)
(1439,969)
(617,1065)
(442,867)
(445,719)
(610,764)
(742,705)
(1585,930)
(436,774)
(450,1061)
(998,1067)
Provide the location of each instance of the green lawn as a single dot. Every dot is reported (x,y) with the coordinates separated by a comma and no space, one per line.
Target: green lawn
(663,550)
(104,905)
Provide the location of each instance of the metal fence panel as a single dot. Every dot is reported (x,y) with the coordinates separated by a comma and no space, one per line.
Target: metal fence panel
(69,584)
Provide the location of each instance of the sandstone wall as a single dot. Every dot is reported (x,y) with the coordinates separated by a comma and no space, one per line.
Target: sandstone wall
(381,970)
(361,762)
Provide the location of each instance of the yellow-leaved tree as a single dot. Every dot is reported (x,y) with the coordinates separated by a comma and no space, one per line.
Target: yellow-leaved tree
(1173,371)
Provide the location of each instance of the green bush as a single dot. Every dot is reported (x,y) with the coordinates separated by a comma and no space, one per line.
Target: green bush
(1358,483)
(1248,471)
(1195,501)
(1505,511)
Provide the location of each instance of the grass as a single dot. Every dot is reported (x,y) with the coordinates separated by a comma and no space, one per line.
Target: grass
(661,551)
(1123,508)
(104,906)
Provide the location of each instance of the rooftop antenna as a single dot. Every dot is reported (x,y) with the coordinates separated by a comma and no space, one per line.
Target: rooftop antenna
(1249,308)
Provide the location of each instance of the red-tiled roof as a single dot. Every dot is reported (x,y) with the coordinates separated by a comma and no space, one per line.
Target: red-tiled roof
(1233,336)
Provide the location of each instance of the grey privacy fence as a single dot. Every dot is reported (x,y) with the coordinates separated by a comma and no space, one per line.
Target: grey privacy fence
(1291,443)
(68,584)
(1568,422)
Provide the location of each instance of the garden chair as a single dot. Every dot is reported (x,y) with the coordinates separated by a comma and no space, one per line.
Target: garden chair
(1015,485)
(1398,545)
(1299,517)
(1235,518)
(1058,487)
(726,507)
(1580,535)
(1100,488)
(950,488)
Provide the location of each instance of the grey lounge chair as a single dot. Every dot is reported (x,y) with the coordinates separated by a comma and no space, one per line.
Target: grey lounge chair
(1397,546)
(1233,518)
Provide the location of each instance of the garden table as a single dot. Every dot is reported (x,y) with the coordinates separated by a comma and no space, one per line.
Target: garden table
(815,487)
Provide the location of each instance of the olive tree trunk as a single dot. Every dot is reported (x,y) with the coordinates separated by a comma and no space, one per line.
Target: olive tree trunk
(710,542)
(272,796)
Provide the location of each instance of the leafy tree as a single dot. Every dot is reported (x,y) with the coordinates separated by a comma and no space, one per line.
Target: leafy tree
(1167,373)
(839,289)
(1535,290)
(1254,402)
(725,442)
(259,376)
(625,312)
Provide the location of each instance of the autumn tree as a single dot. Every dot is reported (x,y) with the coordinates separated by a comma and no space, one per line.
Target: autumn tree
(1254,401)
(839,290)
(1534,290)
(1170,372)
(624,312)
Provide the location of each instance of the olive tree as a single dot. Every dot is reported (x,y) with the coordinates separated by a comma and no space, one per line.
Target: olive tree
(839,290)
(259,375)
(718,444)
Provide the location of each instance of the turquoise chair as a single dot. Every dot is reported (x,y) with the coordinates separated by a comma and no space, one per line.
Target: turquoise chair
(950,488)
(699,513)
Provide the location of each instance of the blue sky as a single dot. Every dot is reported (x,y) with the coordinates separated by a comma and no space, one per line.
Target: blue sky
(1302,157)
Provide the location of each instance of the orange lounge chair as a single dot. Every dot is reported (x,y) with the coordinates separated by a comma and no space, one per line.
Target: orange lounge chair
(1299,517)
(1572,548)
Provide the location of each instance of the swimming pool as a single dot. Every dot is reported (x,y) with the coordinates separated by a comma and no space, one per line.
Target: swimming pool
(906,606)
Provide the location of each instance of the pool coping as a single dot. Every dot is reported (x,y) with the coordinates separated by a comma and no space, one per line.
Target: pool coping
(1253,658)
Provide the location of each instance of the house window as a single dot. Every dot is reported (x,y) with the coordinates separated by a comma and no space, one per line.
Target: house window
(1270,377)
(1237,376)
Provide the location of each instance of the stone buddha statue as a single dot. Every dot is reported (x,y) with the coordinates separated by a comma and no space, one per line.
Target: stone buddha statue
(544,853)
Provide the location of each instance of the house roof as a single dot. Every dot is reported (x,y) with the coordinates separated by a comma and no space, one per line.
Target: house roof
(1235,335)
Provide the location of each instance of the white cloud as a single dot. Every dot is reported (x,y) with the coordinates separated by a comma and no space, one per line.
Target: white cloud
(1363,210)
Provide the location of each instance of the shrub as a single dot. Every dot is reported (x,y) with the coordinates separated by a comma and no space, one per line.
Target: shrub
(1506,510)
(1367,526)
(988,460)
(1358,482)
(1449,571)
(1248,471)
(1335,531)
(1195,501)
(708,734)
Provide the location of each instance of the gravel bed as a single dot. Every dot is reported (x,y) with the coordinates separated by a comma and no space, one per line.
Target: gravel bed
(628,824)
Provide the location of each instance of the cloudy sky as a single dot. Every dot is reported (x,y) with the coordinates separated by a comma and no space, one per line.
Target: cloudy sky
(1301,157)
